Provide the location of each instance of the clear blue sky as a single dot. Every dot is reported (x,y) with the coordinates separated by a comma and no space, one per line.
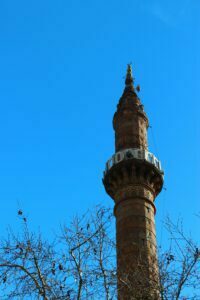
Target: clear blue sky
(62,65)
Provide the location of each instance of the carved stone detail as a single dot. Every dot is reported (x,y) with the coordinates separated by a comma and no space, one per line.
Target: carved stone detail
(132,172)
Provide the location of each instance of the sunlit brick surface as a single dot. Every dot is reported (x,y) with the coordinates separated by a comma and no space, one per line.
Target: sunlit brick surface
(133,184)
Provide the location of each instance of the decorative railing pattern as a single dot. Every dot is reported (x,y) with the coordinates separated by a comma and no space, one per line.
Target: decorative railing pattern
(130,154)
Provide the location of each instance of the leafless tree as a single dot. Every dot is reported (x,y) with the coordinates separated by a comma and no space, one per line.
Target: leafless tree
(80,263)
(179,266)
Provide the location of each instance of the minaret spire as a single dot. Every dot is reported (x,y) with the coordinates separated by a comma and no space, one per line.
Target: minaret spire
(129,77)
(129,81)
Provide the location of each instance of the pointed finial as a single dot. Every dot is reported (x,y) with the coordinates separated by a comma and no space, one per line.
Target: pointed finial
(129,77)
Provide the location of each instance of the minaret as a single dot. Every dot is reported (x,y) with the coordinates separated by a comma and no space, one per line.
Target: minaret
(133,178)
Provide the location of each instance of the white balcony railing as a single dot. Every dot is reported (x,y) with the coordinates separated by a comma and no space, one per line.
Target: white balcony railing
(133,153)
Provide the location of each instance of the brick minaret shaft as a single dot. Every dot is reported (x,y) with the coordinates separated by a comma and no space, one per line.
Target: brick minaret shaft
(133,178)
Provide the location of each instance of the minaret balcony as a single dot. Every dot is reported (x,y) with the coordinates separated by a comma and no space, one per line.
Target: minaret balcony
(133,153)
